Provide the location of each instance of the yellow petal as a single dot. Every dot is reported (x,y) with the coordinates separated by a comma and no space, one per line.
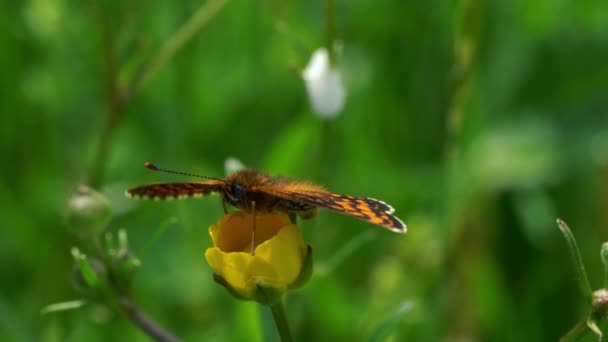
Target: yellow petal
(242,270)
(285,252)
(214,232)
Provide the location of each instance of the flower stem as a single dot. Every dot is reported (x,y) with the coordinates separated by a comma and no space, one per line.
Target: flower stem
(280,320)
(583,281)
(329,31)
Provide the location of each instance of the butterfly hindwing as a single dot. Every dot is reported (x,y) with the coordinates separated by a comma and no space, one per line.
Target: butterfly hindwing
(175,190)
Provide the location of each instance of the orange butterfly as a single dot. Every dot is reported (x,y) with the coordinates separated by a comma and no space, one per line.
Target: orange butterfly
(252,191)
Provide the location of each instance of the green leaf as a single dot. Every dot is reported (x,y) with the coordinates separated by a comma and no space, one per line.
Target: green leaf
(123,239)
(85,268)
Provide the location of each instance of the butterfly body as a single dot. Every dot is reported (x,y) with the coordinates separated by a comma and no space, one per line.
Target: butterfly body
(245,187)
(252,191)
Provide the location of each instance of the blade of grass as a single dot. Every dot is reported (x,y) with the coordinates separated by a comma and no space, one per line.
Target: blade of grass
(160,229)
(343,253)
(63,306)
(389,323)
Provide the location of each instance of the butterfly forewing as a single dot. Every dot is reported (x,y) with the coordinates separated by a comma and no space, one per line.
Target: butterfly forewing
(366,209)
(175,190)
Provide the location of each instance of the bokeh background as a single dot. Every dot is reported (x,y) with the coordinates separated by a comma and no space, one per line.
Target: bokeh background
(480,121)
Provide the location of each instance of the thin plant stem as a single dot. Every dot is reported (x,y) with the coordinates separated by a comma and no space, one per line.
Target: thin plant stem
(121,301)
(578,331)
(280,320)
(119,96)
(116,100)
(604,255)
(592,325)
(202,15)
(579,267)
(330,30)
(458,216)
(465,51)
(147,325)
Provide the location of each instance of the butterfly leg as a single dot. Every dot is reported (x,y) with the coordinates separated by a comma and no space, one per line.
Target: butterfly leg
(224,206)
(253,228)
(308,213)
(292,217)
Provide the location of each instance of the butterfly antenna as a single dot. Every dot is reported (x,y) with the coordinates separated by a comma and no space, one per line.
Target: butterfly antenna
(156,168)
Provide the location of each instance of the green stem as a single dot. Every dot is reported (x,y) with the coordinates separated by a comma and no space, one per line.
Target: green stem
(604,255)
(465,50)
(142,321)
(583,280)
(592,325)
(204,13)
(578,331)
(280,320)
(329,30)
(116,100)
(119,96)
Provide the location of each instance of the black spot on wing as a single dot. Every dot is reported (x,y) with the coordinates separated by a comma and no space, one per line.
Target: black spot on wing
(378,205)
(394,223)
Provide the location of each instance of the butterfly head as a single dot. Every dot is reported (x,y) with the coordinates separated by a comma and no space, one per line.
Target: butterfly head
(235,193)
(241,189)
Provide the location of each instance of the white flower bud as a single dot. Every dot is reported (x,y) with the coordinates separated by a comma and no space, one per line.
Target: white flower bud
(324,85)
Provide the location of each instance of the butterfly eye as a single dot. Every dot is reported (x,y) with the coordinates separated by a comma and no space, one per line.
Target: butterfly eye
(237,190)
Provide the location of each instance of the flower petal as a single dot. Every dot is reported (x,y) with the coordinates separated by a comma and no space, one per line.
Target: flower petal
(242,270)
(285,252)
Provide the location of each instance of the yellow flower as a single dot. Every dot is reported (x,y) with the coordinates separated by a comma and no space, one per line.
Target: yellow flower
(281,260)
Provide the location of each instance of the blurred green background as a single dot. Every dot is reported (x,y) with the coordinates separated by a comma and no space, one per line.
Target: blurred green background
(481,122)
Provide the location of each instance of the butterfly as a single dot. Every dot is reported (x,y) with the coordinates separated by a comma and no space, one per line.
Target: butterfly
(252,192)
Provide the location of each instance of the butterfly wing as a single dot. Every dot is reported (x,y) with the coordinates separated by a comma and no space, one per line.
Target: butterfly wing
(178,190)
(366,209)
